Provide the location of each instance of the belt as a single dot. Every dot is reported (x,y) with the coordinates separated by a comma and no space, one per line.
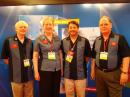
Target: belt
(107,70)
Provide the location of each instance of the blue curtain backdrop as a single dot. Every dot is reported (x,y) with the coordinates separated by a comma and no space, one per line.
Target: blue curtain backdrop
(89,16)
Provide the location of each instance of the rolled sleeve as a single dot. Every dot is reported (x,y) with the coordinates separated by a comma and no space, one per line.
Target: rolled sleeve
(124,49)
(87,49)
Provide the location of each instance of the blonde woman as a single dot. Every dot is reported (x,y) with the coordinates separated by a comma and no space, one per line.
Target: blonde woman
(47,48)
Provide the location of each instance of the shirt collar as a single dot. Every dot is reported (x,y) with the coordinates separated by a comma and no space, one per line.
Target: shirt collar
(78,38)
(111,35)
(16,38)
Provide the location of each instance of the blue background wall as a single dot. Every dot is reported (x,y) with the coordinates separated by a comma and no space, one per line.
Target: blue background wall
(89,16)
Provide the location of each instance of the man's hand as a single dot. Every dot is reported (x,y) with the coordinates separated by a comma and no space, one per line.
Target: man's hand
(92,74)
(37,76)
(6,61)
(123,79)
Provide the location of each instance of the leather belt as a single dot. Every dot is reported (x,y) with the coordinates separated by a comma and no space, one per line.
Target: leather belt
(107,70)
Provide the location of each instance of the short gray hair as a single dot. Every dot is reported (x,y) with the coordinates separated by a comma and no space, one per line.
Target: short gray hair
(21,23)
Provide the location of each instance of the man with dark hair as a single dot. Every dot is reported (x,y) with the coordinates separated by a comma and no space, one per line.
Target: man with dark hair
(76,52)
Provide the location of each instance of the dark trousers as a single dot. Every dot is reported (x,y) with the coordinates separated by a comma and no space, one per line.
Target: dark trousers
(108,83)
(49,84)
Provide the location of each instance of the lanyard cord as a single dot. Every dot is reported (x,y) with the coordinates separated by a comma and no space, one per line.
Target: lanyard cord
(105,45)
(72,49)
(51,45)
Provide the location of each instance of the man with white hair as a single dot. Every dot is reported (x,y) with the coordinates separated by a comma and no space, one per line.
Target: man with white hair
(110,61)
(17,52)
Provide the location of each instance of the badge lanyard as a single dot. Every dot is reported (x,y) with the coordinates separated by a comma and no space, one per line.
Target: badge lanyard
(25,52)
(105,45)
(51,54)
(26,60)
(72,49)
(70,54)
(51,46)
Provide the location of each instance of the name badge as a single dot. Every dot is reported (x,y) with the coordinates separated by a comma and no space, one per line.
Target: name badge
(26,62)
(69,56)
(51,55)
(103,55)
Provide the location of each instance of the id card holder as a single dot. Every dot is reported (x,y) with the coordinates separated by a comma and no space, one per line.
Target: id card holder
(26,62)
(51,55)
(104,55)
(69,56)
